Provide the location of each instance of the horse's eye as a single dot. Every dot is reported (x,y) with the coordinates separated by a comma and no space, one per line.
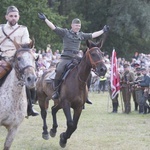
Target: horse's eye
(93,54)
(19,58)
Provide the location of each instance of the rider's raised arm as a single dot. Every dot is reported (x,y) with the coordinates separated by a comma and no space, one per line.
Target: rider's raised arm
(100,32)
(49,23)
(97,33)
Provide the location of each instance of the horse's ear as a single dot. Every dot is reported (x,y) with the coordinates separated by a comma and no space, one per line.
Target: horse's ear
(99,44)
(84,51)
(18,46)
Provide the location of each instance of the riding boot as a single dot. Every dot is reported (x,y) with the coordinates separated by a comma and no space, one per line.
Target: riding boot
(140,109)
(115,107)
(88,101)
(33,95)
(30,110)
(128,109)
(136,106)
(56,92)
(145,110)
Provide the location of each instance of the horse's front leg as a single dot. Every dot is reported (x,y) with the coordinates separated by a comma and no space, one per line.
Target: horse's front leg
(10,137)
(71,124)
(55,125)
(44,107)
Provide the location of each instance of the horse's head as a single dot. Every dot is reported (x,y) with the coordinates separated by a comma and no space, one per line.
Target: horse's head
(95,58)
(24,64)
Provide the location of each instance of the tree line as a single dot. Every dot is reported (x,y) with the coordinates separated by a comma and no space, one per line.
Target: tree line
(129,22)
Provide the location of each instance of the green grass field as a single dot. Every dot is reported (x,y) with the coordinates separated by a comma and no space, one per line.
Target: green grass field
(98,129)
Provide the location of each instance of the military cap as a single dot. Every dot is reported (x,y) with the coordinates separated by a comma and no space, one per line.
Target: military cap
(125,65)
(138,69)
(76,21)
(12,9)
(143,69)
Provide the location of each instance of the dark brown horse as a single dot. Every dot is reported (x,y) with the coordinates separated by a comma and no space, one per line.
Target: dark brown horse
(73,92)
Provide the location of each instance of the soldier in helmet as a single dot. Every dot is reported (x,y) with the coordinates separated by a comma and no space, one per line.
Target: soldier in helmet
(126,80)
(13,31)
(71,45)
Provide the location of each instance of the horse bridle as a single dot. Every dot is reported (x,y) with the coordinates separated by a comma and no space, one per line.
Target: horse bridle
(93,64)
(20,72)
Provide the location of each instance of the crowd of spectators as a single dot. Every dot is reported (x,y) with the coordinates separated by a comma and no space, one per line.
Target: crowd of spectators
(139,60)
(48,59)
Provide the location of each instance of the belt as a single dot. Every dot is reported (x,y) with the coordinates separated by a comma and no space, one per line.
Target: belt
(71,51)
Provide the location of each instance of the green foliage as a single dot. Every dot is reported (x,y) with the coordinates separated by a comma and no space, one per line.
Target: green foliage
(129,21)
(29,17)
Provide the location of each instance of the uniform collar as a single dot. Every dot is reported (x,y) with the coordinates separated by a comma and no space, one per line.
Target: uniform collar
(76,33)
(11,27)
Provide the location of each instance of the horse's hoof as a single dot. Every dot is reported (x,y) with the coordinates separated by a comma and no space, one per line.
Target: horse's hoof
(45,136)
(62,141)
(52,134)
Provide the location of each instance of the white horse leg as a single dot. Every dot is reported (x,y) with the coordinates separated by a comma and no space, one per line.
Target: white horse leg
(10,137)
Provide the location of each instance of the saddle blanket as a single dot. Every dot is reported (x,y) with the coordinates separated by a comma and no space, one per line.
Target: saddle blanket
(51,75)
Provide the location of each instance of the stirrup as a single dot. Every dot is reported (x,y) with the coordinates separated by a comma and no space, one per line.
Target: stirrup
(88,101)
(55,96)
(32,112)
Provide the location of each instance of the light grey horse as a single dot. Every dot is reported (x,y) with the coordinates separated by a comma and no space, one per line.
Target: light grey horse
(13,101)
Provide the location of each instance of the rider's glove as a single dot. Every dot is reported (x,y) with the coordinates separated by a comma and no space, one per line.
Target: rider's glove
(42,16)
(106,28)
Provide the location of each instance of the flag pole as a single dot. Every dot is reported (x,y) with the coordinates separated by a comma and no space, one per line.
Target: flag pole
(108,102)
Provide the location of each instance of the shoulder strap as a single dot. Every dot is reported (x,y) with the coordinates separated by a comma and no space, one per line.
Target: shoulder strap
(8,36)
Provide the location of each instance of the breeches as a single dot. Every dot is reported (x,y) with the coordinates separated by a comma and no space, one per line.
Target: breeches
(60,70)
(139,96)
(5,67)
(134,96)
(126,94)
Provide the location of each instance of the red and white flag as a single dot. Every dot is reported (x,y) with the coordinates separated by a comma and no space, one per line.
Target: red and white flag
(115,78)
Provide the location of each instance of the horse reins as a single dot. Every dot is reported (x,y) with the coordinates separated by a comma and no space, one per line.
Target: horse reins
(93,64)
(21,71)
(104,38)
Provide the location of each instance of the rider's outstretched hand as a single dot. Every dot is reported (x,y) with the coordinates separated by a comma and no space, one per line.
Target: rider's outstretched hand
(106,28)
(42,16)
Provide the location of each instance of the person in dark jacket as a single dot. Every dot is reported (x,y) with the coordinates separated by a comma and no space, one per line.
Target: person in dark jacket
(71,45)
(144,83)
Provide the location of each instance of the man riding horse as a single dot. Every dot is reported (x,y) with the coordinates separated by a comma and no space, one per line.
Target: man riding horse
(71,45)
(9,33)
